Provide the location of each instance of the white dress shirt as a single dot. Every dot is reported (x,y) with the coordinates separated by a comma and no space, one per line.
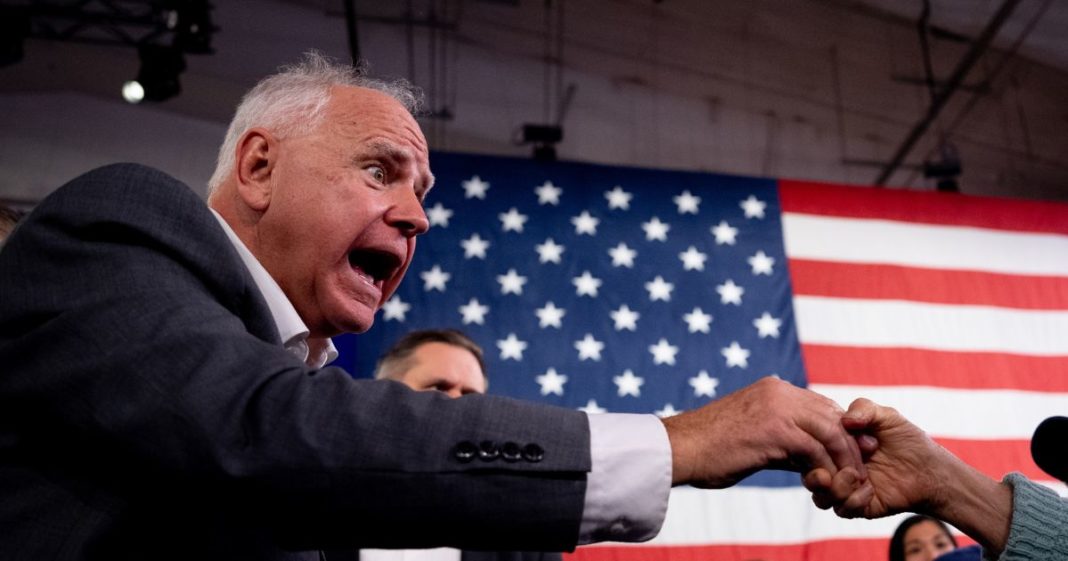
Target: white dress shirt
(291,329)
(630,479)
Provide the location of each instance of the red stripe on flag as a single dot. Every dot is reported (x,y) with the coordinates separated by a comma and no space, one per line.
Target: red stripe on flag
(869,549)
(853,549)
(996,458)
(923,207)
(869,366)
(895,282)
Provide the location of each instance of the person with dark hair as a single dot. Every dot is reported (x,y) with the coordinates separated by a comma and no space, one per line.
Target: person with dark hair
(165,392)
(446,360)
(921,538)
(9,217)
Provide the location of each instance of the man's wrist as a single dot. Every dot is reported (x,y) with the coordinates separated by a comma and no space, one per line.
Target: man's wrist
(680,464)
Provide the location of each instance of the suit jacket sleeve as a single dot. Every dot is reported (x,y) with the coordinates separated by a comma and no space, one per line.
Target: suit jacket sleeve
(143,372)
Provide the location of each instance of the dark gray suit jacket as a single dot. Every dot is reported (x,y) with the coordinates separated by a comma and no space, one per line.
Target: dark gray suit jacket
(148,411)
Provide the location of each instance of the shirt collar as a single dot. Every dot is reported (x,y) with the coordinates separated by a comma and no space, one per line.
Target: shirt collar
(291,329)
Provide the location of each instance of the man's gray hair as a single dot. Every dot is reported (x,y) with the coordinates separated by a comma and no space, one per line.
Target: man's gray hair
(292,100)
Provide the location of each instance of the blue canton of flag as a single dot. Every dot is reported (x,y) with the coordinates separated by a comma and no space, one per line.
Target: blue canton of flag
(600,288)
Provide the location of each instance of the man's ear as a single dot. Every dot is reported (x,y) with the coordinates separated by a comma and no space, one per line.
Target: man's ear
(257,153)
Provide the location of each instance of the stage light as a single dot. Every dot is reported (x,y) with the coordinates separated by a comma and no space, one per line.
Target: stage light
(946,169)
(157,79)
(193,27)
(544,138)
(132,91)
(14,28)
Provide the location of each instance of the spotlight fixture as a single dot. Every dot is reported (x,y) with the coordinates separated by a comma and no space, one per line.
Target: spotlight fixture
(14,28)
(133,92)
(544,138)
(191,22)
(946,169)
(157,80)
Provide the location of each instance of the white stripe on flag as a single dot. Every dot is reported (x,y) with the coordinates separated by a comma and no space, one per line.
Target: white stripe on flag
(920,245)
(895,323)
(956,413)
(741,515)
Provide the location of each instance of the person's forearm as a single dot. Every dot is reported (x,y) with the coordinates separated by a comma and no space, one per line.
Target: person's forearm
(975,504)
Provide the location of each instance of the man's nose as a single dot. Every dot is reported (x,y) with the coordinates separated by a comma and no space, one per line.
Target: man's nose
(407,213)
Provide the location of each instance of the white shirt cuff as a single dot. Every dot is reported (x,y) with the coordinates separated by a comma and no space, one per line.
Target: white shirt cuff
(630,480)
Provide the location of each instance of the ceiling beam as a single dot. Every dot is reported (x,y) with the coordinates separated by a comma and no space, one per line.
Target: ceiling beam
(952,85)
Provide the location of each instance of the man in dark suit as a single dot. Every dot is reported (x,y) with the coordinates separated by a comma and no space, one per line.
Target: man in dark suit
(163,393)
(444,360)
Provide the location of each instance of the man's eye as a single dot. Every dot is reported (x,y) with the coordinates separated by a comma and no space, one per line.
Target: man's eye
(377,173)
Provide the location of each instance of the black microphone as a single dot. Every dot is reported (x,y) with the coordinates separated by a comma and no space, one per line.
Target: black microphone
(1048,447)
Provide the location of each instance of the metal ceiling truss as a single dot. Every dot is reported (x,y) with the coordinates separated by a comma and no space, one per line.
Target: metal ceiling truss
(185,24)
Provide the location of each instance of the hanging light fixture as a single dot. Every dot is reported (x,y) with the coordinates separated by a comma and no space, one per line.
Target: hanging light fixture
(157,80)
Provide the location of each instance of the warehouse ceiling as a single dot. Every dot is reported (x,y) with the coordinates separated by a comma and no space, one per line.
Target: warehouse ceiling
(255,36)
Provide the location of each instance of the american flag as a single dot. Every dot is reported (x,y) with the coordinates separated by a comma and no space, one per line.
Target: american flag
(634,290)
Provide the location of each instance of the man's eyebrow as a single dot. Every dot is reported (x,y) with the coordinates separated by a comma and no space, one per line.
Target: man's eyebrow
(382,148)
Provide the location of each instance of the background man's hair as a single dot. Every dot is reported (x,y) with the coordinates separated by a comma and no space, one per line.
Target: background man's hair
(9,217)
(292,100)
(397,359)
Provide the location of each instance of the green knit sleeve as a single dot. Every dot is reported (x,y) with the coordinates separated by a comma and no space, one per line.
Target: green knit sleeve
(1039,529)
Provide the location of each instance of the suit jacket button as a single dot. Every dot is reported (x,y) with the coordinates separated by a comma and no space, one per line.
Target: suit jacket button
(465,451)
(487,451)
(510,452)
(533,453)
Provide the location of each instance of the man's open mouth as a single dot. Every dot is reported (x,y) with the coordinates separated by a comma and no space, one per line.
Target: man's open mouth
(373,265)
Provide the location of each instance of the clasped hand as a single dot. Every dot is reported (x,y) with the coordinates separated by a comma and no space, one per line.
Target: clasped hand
(866,462)
(907,471)
(771,424)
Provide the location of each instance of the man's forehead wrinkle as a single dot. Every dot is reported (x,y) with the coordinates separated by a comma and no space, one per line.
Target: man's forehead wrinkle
(384,147)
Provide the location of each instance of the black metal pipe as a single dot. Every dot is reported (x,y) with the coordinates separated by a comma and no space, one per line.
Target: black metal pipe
(939,102)
(350,24)
(924,28)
